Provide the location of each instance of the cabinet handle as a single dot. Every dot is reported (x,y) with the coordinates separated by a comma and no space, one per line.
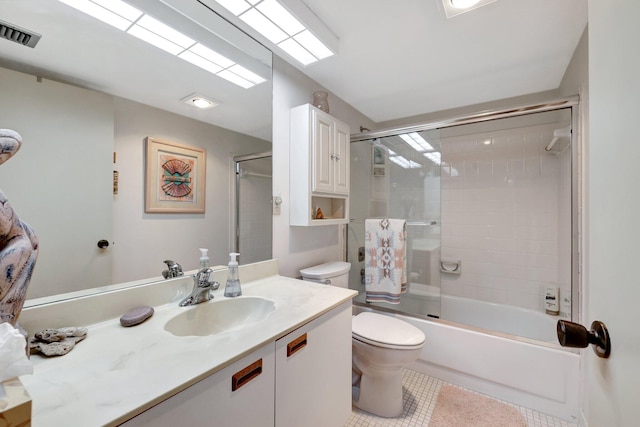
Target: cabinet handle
(296,344)
(245,375)
(333,156)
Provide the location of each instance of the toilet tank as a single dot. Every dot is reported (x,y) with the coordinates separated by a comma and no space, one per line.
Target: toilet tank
(334,273)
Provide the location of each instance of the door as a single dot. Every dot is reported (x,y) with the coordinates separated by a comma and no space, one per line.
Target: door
(322,149)
(613,293)
(253,207)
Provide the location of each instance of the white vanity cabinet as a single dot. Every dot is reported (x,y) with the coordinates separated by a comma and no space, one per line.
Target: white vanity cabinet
(301,379)
(237,396)
(313,372)
(319,167)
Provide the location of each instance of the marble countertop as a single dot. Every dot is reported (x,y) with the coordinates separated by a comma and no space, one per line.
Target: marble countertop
(117,372)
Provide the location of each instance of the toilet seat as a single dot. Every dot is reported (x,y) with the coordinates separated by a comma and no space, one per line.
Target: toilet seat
(386,331)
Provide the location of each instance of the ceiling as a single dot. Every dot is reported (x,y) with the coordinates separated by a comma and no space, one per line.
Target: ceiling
(399,59)
(396,59)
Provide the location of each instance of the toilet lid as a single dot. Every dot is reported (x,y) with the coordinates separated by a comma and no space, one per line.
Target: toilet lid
(326,270)
(386,331)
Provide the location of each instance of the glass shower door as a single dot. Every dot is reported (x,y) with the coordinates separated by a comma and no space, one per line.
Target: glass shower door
(253,207)
(399,177)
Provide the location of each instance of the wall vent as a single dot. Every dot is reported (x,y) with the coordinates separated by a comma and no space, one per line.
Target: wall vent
(19,35)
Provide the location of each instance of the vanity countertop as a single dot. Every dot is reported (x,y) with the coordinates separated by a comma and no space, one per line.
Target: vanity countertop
(117,372)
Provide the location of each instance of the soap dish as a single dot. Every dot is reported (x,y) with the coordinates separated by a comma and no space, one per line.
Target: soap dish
(136,316)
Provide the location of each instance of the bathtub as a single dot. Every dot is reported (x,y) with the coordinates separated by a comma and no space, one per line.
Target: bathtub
(536,374)
(508,319)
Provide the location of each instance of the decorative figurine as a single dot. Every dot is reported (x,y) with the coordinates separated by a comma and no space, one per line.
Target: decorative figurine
(18,244)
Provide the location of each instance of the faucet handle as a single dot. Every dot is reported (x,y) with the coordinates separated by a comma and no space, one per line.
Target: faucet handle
(174,269)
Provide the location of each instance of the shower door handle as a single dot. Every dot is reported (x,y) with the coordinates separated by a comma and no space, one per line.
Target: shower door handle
(575,335)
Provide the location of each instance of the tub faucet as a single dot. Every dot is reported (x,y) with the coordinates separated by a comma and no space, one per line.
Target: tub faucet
(202,288)
(173,270)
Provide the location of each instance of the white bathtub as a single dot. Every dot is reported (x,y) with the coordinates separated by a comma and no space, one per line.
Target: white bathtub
(507,319)
(537,375)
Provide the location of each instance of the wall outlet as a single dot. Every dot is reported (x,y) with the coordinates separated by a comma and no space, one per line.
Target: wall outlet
(277,202)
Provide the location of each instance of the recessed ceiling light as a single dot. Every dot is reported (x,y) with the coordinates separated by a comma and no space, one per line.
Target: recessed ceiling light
(463,4)
(456,7)
(199,101)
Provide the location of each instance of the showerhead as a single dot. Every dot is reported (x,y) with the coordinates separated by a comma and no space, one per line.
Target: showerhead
(557,135)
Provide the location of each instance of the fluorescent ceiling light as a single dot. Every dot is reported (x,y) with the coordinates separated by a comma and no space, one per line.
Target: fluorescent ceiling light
(434,156)
(275,22)
(235,79)
(115,13)
(199,61)
(264,26)
(154,39)
(165,31)
(416,141)
(295,50)
(404,163)
(275,12)
(133,21)
(246,74)
(457,7)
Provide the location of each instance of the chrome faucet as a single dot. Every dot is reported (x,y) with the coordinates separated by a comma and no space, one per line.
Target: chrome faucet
(202,288)
(173,270)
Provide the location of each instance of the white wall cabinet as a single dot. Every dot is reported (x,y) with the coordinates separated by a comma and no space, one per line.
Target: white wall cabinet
(313,372)
(319,167)
(237,396)
(304,378)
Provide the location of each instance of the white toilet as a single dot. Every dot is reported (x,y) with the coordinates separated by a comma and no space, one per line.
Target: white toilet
(382,346)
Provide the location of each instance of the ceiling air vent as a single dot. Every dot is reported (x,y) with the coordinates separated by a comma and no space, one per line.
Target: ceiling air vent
(19,35)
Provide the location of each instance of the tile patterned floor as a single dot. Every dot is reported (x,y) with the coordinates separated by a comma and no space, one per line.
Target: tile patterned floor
(420,393)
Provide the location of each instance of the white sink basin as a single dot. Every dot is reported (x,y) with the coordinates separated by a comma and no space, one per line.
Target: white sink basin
(220,316)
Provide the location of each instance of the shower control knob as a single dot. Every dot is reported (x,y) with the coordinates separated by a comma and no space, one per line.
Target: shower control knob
(103,244)
(575,335)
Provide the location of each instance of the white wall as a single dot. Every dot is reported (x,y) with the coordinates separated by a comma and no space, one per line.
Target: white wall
(614,202)
(60,180)
(300,247)
(138,235)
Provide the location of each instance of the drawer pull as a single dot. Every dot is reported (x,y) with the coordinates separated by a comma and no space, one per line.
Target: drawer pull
(245,375)
(296,345)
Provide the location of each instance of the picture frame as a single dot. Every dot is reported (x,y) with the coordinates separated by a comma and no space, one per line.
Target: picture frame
(175,177)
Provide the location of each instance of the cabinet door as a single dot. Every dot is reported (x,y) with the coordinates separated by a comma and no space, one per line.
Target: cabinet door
(341,165)
(322,150)
(239,395)
(313,372)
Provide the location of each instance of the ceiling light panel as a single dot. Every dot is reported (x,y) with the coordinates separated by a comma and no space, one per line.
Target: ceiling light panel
(457,7)
(281,27)
(136,23)
(106,14)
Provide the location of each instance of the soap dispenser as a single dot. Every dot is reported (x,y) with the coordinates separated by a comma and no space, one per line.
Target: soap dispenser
(204,258)
(232,288)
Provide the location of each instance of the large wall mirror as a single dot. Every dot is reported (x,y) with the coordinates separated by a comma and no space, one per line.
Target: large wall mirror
(84,100)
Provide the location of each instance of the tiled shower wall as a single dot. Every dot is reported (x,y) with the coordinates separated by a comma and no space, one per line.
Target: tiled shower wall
(506,216)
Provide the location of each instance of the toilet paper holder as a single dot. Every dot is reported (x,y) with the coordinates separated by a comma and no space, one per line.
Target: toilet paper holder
(575,335)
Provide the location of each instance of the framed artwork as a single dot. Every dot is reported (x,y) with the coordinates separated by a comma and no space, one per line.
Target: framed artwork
(175,177)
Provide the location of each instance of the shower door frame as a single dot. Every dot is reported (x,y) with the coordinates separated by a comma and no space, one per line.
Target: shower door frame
(577,185)
(236,168)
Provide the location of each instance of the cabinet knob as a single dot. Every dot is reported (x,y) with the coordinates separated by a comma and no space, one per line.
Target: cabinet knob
(103,244)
